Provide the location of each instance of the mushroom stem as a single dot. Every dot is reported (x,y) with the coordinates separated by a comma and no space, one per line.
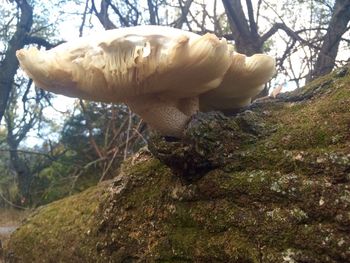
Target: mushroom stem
(163,115)
(189,106)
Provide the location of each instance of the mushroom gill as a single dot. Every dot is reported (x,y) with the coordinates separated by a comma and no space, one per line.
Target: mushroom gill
(160,72)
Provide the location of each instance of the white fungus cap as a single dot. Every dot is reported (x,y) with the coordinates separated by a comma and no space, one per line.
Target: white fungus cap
(160,72)
(122,63)
(244,80)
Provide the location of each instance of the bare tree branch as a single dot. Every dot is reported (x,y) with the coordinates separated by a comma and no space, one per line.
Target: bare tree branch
(89,127)
(40,41)
(124,22)
(81,28)
(103,14)
(185,8)
(152,12)
(253,25)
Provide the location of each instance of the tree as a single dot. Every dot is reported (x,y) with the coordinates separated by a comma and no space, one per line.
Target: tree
(21,104)
(244,31)
(22,36)
(248,39)
(9,64)
(338,25)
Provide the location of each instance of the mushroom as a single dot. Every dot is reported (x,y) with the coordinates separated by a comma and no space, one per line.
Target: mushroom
(244,80)
(159,72)
(163,74)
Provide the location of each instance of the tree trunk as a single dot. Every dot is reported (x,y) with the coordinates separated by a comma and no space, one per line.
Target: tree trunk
(246,37)
(329,50)
(24,176)
(268,185)
(152,12)
(9,65)
(102,15)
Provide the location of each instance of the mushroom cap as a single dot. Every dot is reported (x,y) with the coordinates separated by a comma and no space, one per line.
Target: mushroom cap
(120,64)
(245,79)
(164,74)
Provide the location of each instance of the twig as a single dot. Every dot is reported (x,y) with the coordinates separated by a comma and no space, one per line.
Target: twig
(84,168)
(127,136)
(89,127)
(81,28)
(109,165)
(12,204)
(140,135)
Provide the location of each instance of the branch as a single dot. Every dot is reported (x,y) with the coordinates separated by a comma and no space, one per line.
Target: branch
(233,16)
(287,51)
(39,41)
(124,22)
(346,40)
(81,28)
(12,204)
(258,12)
(89,127)
(184,12)
(103,15)
(127,135)
(253,25)
(294,35)
(48,156)
(135,22)
(25,95)
(152,12)
(9,65)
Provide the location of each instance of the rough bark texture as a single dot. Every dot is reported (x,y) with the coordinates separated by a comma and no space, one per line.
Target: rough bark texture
(271,184)
(9,65)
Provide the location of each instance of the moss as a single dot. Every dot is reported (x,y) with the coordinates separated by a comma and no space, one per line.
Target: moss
(308,124)
(190,245)
(267,185)
(61,222)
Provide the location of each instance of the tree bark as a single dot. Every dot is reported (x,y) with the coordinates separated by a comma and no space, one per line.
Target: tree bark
(10,64)
(329,50)
(247,39)
(269,185)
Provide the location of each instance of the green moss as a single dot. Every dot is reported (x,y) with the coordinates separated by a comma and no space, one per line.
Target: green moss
(190,245)
(274,187)
(61,222)
(308,124)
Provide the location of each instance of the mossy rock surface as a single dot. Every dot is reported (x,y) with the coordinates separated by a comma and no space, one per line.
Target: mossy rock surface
(273,186)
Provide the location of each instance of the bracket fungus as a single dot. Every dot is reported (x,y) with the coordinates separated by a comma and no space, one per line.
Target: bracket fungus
(163,74)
